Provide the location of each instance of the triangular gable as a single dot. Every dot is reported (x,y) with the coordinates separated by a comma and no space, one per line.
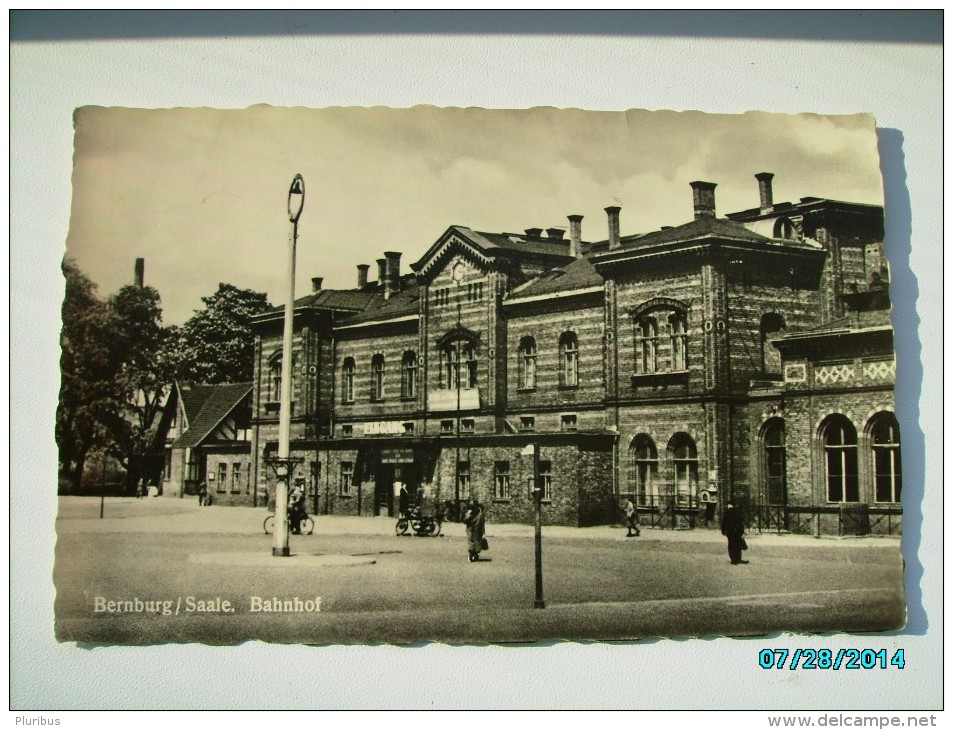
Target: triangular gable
(220,402)
(455,241)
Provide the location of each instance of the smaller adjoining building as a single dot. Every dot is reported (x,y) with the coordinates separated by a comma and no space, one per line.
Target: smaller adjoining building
(209,440)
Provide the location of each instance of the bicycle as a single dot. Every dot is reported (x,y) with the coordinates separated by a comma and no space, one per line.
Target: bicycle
(306,525)
(421,524)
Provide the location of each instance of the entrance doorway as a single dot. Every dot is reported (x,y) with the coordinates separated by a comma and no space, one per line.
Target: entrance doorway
(385,501)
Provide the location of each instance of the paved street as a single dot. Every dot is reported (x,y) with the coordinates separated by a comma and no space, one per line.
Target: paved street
(377,587)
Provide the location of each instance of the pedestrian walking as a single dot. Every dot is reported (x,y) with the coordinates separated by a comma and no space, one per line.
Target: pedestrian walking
(631,519)
(403,499)
(733,527)
(203,493)
(296,509)
(475,520)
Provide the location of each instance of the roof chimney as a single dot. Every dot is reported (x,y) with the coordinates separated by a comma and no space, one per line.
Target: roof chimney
(534,232)
(140,273)
(381,271)
(613,212)
(555,234)
(575,236)
(703,197)
(764,189)
(316,283)
(392,274)
(362,275)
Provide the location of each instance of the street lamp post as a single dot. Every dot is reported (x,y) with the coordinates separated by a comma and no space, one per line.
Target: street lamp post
(284,463)
(538,499)
(457,274)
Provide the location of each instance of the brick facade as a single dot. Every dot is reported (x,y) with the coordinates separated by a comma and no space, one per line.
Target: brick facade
(685,367)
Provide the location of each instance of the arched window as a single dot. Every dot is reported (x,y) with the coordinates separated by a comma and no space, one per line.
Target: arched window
(772,325)
(458,360)
(408,375)
(885,445)
(679,341)
(377,377)
(274,378)
(784,228)
(527,363)
(643,470)
(839,438)
(347,380)
(646,345)
(773,455)
(568,360)
(685,473)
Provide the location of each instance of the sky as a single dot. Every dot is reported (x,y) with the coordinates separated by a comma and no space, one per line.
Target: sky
(201,194)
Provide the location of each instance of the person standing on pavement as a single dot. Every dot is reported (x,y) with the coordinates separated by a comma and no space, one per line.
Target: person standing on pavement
(631,519)
(475,520)
(733,527)
(203,491)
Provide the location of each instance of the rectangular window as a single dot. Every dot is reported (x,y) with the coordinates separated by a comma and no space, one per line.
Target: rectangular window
(475,292)
(463,479)
(409,427)
(527,423)
(446,426)
(168,464)
(347,477)
(501,480)
(546,477)
(467,425)
(236,478)
(568,422)
(222,476)
(315,479)
(347,430)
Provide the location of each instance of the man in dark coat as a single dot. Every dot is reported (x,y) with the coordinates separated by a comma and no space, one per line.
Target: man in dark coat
(475,520)
(733,527)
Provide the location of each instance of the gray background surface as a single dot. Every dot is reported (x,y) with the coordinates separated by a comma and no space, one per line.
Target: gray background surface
(885,63)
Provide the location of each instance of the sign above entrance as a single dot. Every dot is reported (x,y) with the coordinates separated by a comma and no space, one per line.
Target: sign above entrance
(397,456)
(383,428)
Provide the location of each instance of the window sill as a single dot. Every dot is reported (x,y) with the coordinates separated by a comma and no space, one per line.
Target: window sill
(568,387)
(345,496)
(500,500)
(526,390)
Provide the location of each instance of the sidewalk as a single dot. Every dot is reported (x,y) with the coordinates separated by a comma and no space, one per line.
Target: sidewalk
(172,515)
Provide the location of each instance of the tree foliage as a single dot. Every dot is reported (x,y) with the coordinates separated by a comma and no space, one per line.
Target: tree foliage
(216,345)
(89,362)
(116,372)
(142,382)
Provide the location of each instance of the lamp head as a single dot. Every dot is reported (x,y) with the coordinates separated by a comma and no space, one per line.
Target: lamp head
(296,198)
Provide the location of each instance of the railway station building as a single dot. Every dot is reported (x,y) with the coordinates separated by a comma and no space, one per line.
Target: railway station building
(745,358)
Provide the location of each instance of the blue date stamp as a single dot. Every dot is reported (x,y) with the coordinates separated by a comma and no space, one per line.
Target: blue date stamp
(828,659)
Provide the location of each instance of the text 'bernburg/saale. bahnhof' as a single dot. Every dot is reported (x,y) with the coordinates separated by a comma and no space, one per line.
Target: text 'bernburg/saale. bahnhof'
(744,358)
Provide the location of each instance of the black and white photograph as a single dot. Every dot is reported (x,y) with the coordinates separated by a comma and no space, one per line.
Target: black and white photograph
(464,375)
(468,360)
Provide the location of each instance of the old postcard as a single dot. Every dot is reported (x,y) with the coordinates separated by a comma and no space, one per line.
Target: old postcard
(365,375)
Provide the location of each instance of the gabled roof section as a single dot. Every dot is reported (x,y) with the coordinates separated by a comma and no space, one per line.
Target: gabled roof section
(404,303)
(192,398)
(579,275)
(217,402)
(697,230)
(482,248)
